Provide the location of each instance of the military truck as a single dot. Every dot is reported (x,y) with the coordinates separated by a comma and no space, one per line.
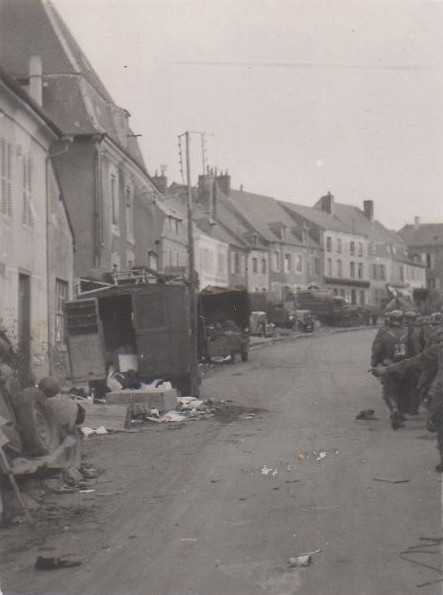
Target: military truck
(331,309)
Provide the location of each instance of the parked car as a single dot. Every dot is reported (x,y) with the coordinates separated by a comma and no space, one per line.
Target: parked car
(225,315)
(259,324)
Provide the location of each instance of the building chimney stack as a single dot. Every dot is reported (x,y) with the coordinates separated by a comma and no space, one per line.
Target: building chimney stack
(36,79)
(416,222)
(161,181)
(327,203)
(368,209)
(224,182)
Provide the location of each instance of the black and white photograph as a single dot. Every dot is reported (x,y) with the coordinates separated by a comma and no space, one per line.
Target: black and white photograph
(221,297)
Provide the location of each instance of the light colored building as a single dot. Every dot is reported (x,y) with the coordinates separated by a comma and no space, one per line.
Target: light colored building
(36,240)
(425,242)
(111,199)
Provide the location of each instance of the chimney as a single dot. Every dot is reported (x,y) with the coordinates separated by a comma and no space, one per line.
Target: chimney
(161,181)
(224,182)
(206,195)
(416,222)
(327,203)
(368,209)
(36,79)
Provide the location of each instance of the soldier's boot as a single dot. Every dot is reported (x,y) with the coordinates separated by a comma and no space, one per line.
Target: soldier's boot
(397,420)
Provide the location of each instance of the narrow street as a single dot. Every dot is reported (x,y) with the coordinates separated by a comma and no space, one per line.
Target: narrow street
(218,506)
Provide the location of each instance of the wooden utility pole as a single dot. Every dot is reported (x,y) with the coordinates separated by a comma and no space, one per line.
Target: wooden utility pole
(193,291)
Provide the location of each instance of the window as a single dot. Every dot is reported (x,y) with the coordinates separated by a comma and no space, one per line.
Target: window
(254,265)
(153,260)
(339,268)
(352,271)
(339,245)
(114,199)
(329,267)
(5,177)
(360,270)
(317,265)
(352,248)
(353,296)
(374,272)
(61,295)
(276,261)
(360,249)
(342,293)
(129,201)
(236,263)
(27,216)
(263,266)
(299,265)
(287,263)
(428,260)
(328,244)
(362,298)
(402,273)
(382,272)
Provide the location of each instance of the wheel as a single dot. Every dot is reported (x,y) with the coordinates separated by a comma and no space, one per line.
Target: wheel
(38,428)
(244,356)
(262,331)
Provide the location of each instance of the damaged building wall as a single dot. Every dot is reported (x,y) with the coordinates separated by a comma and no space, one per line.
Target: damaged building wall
(60,276)
(25,140)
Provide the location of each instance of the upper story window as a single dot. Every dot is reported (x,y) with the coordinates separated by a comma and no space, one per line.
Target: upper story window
(129,203)
(352,270)
(360,270)
(6,177)
(382,272)
(263,265)
(329,267)
(236,263)
(339,268)
(299,263)
(27,215)
(153,260)
(287,263)
(360,249)
(339,245)
(114,199)
(276,261)
(352,248)
(328,244)
(254,265)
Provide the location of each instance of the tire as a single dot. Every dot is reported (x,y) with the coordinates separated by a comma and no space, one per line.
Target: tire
(244,356)
(261,331)
(37,426)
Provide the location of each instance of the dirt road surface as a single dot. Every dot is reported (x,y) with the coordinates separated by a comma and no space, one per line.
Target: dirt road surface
(218,506)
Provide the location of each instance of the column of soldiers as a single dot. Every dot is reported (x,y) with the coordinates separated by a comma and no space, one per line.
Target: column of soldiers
(407,356)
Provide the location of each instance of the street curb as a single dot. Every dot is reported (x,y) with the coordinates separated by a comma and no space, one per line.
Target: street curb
(332,331)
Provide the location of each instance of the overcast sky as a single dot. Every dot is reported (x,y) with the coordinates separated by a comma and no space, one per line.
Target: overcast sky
(298,97)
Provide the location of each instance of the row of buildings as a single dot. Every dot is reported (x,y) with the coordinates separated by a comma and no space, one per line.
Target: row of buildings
(76,198)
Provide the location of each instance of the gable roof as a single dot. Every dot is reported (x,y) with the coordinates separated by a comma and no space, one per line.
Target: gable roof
(425,234)
(263,212)
(319,218)
(73,94)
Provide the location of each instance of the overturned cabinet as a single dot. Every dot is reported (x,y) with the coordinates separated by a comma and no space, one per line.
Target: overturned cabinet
(141,325)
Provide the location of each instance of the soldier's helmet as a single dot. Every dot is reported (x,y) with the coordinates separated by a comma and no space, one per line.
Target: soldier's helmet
(411,317)
(436,318)
(396,317)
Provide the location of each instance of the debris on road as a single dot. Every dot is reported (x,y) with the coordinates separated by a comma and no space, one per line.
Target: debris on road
(367,414)
(265,470)
(54,563)
(391,480)
(300,561)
